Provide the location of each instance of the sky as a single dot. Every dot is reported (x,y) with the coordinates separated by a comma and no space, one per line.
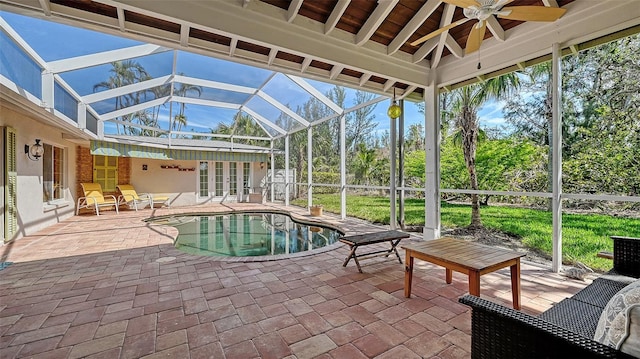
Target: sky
(54,41)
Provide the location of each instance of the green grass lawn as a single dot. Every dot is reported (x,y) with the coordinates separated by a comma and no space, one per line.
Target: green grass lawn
(583,235)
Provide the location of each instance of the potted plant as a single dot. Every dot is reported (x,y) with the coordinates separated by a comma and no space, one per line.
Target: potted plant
(315,210)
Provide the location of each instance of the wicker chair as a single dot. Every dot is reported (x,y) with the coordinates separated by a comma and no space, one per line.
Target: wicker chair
(564,331)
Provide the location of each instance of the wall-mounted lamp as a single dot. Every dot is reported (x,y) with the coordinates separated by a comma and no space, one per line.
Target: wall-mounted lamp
(394,110)
(35,151)
(261,165)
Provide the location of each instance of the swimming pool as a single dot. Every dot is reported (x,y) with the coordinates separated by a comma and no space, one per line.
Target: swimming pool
(247,234)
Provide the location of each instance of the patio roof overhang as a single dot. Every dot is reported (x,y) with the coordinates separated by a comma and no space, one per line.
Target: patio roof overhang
(161,149)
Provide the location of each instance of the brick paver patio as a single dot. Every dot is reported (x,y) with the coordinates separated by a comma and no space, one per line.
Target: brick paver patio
(115,287)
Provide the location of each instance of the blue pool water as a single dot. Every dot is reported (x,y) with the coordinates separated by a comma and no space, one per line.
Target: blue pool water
(247,234)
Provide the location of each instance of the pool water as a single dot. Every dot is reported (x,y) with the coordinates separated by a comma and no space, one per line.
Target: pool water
(247,234)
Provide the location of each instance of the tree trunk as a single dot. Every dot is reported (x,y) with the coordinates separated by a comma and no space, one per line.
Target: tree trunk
(549,117)
(299,166)
(469,144)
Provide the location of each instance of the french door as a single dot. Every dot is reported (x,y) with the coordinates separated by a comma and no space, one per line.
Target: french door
(220,181)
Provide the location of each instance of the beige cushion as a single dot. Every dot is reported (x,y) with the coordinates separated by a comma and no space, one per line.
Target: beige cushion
(619,324)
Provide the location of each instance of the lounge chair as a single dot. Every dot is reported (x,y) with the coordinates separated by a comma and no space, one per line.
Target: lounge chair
(128,195)
(94,198)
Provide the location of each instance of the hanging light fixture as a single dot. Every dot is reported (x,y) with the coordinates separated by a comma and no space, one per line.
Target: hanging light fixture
(394,110)
(35,151)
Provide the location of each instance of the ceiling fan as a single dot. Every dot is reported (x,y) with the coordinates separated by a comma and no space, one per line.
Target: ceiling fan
(481,10)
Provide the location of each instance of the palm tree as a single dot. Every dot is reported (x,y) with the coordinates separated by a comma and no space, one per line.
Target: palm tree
(125,73)
(245,125)
(179,121)
(466,102)
(182,90)
(364,164)
(159,92)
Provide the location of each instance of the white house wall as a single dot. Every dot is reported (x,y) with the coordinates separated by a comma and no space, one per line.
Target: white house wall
(180,186)
(33,214)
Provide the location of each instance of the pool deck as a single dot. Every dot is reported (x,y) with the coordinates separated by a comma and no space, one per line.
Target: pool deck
(114,286)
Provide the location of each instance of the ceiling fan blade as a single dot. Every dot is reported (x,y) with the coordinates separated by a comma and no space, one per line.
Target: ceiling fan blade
(463,3)
(439,31)
(501,3)
(531,13)
(475,37)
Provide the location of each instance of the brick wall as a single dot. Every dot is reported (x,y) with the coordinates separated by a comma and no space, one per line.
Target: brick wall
(124,170)
(84,169)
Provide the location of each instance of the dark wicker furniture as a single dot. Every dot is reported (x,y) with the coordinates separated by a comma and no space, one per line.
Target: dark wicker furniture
(564,331)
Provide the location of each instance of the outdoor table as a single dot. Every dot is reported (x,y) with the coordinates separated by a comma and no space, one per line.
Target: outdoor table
(465,257)
(393,237)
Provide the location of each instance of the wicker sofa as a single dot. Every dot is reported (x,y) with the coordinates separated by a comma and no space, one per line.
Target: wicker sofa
(564,331)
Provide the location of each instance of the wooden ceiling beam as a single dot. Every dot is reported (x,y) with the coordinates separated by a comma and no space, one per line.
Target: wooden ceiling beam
(414,24)
(121,19)
(453,46)
(305,64)
(294,8)
(496,29)
(335,16)
(184,35)
(447,18)
(375,20)
(425,49)
(233,46)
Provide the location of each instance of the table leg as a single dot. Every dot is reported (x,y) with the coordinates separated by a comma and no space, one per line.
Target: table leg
(474,283)
(408,274)
(515,284)
(351,255)
(448,275)
(355,259)
(393,248)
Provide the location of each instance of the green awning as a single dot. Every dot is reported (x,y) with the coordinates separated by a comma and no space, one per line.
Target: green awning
(114,149)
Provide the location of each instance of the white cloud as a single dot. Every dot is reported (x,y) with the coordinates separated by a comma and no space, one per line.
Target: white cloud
(494,121)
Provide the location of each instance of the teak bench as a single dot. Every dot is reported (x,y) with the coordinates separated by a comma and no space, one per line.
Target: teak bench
(356,241)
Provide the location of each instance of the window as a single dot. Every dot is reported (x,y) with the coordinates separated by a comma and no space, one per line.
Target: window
(204,179)
(233,178)
(246,183)
(52,173)
(219,179)
(105,172)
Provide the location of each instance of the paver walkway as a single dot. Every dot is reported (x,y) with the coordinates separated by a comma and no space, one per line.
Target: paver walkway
(114,286)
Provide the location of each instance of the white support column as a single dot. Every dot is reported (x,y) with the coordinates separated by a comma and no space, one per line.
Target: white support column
(100,130)
(273,173)
(286,170)
(343,168)
(556,150)
(401,165)
(393,217)
(432,163)
(82,115)
(309,166)
(48,90)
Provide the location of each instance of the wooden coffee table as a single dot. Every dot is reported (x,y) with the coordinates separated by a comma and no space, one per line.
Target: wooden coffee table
(465,257)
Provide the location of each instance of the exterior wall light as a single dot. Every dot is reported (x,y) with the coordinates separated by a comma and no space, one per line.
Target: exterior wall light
(394,110)
(35,151)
